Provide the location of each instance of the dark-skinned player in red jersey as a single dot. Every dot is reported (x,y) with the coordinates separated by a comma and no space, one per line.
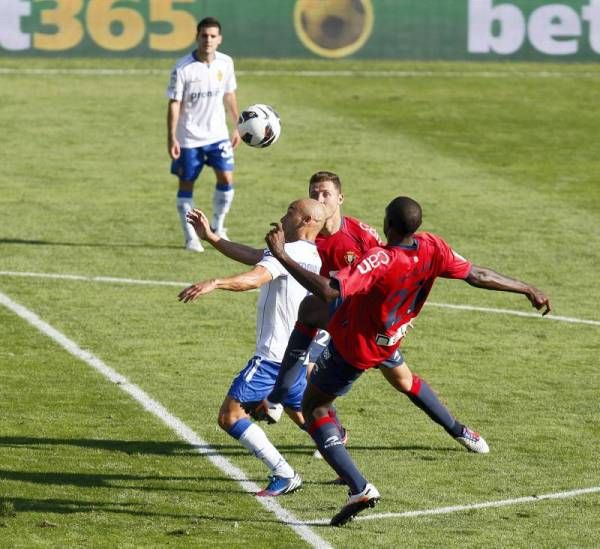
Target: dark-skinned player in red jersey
(377,297)
(342,240)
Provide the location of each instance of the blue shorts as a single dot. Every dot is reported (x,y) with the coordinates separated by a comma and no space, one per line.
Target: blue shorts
(191,161)
(332,374)
(393,362)
(257,379)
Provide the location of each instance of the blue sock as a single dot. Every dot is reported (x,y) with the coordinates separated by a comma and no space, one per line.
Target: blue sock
(223,187)
(238,428)
(326,435)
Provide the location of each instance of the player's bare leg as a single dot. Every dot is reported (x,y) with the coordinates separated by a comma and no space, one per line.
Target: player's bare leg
(295,416)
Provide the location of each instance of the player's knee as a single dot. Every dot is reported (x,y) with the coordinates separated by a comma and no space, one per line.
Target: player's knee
(186,186)
(399,377)
(307,410)
(404,386)
(224,177)
(225,420)
(296,417)
(312,413)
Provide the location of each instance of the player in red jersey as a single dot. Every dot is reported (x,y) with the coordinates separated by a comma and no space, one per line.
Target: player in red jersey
(380,294)
(342,240)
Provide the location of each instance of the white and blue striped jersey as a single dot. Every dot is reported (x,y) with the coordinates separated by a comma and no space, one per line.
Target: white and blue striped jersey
(200,88)
(279,300)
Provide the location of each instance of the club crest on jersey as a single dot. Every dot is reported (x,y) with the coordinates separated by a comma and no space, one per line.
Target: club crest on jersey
(349,257)
(220,76)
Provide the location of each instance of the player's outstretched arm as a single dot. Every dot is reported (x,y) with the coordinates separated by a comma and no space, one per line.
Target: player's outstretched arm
(313,282)
(242,282)
(482,277)
(196,290)
(233,250)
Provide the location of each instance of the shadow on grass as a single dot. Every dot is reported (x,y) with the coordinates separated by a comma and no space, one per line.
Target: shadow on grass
(88,245)
(71,506)
(135,447)
(125,481)
(125,446)
(142,483)
(170,448)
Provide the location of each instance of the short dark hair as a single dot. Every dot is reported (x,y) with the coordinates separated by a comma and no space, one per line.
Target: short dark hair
(326,176)
(208,22)
(404,215)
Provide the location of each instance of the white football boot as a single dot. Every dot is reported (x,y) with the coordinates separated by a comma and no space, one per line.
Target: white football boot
(473,441)
(355,504)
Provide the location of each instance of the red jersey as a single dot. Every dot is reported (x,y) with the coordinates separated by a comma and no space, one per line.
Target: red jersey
(383,291)
(341,249)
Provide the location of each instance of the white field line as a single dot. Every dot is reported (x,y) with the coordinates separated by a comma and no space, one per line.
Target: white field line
(222,463)
(174,423)
(317,73)
(515,313)
(83,278)
(115,280)
(483,505)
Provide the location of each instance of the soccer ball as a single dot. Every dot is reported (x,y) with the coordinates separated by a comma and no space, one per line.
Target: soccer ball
(259,125)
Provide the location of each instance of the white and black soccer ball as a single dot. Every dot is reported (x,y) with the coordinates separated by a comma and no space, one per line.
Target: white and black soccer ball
(259,125)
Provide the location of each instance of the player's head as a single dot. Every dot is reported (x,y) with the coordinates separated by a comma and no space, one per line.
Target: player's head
(208,35)
(208,22)
(403,216)
(326,188)
(303,220)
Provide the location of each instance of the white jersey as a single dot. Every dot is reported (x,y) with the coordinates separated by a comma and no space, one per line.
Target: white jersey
(200,88)
(279,300)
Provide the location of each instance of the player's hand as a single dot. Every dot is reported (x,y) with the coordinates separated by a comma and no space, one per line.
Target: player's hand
(276,240)
(267,411)
(174,149)
(197,219)
(196,290)
(235,138)
(539,300)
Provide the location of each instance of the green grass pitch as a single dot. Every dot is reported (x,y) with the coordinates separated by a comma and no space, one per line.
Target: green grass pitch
(503,158)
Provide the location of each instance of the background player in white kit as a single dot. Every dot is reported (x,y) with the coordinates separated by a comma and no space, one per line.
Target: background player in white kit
(277,309)
(201,88)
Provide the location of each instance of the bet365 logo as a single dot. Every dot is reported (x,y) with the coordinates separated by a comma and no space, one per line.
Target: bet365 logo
(552,29)
(60,25)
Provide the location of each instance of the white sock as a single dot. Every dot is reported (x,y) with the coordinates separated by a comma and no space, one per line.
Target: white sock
(255,440)
(184,205)
(221,204)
